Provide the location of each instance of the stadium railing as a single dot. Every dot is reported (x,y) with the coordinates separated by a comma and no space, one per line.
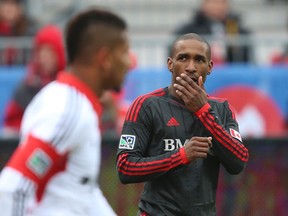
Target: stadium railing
(151,48)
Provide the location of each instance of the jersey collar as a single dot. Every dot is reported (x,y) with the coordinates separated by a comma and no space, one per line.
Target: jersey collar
(72,80)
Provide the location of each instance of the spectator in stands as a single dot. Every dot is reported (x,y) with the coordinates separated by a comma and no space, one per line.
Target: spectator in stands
(215,20)
(59,11)
(47,59)
(13,20)
(280,57)
(14,23)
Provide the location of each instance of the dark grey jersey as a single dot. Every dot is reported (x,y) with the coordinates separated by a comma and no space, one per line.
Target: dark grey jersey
(156,128)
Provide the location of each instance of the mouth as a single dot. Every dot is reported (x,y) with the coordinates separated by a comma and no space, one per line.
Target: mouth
(195,79)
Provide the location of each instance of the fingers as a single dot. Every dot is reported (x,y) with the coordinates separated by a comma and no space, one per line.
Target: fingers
(201,83)
(187,82)
(186,88)
(192,95)
(209,141)
(198,147)
(203,140)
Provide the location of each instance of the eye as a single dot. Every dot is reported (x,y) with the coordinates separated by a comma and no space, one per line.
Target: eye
(182,58)
(200,60)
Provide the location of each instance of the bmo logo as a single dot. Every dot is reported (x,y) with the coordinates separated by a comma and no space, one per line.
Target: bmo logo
(172,144)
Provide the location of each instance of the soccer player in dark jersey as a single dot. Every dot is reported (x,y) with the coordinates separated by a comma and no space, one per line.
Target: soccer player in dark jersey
(175,138)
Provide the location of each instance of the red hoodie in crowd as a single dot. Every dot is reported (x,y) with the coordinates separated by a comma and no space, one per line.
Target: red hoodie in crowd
(39,74)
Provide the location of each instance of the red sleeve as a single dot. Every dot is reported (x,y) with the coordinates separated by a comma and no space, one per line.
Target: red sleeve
(13,115)
(226,141)
(38,161)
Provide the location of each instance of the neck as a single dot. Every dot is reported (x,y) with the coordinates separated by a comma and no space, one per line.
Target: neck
(172,91)
(86,75)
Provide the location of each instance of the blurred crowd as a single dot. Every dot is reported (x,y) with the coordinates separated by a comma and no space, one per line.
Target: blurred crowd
(44,60)
(215,19)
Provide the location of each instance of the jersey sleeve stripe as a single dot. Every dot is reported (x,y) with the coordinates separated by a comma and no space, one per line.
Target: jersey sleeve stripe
(226,135)
(130,110)
(223,137)
(230,143)
(133,111)
(19,198)
(145,168)
(141,164)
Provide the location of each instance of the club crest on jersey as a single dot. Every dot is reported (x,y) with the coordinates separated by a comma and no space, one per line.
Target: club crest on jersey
(39,162)
(127,141)
(235,134)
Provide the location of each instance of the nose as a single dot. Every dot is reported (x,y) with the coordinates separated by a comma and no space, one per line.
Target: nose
(190,67)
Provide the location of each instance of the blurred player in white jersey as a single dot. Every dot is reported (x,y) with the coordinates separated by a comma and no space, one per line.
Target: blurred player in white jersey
(54,170)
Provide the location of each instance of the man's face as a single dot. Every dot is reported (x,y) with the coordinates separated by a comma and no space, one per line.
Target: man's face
(47,59)
(191,57)
(120,64)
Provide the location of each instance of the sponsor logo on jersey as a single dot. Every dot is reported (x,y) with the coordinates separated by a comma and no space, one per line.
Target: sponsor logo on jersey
(39,162)
(127,141)
(235,134)
(172,122)
(172,144)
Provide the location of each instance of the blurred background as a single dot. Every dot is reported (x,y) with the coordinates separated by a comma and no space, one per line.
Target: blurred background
(249,41)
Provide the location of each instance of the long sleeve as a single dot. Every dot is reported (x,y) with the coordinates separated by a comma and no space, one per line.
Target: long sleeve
(16,193)
(132,168)
(227,143)
(140,159)
(13,116)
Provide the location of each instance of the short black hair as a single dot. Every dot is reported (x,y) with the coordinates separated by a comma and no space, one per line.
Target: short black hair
(191,36)
(80,31)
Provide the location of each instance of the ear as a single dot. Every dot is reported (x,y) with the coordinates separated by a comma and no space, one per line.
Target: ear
(210,66)
(170,64)
(102,58)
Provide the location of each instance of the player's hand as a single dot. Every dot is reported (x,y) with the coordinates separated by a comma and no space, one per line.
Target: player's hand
(197,147)
(193,95)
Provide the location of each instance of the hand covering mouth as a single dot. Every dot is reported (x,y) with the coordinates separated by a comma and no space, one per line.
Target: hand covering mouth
(195,79)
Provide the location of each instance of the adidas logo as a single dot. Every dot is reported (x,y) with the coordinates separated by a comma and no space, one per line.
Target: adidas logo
(172,122)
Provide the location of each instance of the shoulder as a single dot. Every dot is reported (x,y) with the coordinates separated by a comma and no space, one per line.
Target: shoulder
(58,100)
(149,97)
(143,103)
(218,102)
(221,104)
(54,96)
(217,99)
(59,110)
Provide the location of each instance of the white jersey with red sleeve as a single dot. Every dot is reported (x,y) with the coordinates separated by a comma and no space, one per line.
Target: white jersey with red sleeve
(54,170)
